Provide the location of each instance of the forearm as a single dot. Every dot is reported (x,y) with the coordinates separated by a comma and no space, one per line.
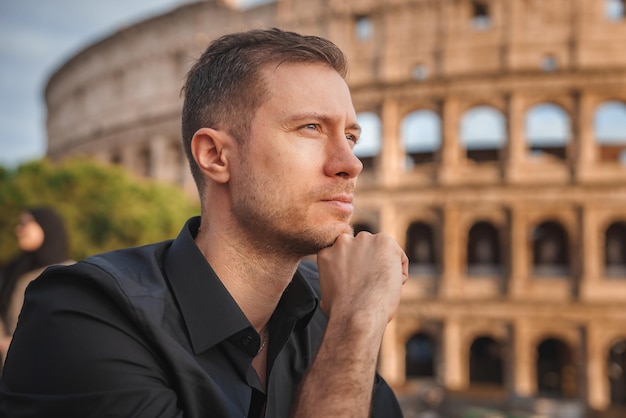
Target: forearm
(340,380)
(361,279)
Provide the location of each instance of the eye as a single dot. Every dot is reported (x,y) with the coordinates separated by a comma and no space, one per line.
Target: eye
(313,126)
(351,137)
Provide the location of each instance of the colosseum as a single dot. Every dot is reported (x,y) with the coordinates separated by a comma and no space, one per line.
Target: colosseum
(494,152)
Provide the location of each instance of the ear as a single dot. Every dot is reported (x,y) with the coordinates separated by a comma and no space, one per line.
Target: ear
(210,149)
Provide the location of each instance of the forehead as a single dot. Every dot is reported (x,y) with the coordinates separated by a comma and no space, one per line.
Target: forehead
(307,84)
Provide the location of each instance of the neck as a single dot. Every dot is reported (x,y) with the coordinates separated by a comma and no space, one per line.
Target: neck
(255,279)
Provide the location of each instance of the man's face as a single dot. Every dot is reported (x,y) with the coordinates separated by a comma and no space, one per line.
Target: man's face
(293,184)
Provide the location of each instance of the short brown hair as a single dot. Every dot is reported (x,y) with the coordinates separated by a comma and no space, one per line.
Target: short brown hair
(224,88)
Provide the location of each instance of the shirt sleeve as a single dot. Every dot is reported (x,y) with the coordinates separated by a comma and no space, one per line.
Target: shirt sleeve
(75,354)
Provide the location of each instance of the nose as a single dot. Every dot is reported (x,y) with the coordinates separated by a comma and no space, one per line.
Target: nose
(341,160)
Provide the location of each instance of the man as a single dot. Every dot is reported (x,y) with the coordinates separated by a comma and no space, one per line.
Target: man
(225,321)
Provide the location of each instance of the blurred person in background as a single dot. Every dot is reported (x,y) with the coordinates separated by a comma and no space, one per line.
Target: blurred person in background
(43,241)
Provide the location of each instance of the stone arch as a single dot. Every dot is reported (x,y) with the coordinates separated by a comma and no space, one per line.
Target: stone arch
(420,248)
(420,131)
(486,362)
(420,356)
(609,126)
(616,371)
(550,250)
(555,369)
(547,130)
(615,249)
(483,250)
(370,141)
(483,133)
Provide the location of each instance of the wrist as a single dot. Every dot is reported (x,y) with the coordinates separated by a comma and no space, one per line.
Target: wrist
(358,327)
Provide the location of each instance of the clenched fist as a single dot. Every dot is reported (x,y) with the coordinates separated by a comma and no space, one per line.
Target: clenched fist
(361,278)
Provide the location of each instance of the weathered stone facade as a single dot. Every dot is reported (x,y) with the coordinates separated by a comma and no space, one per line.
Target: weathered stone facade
(518,244)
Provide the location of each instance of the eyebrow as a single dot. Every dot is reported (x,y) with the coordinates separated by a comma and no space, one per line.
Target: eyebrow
(324,118)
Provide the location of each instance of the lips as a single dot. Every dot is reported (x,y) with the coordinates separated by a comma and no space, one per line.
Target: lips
(342,202)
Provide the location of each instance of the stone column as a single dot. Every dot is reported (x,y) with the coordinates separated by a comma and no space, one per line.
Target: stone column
(516,147)
(450,286)
(450,149)
(524,378)
(390,366)
(590,249)
(391,153)
(597,379)
(586,149)
(452,359)
(519,253)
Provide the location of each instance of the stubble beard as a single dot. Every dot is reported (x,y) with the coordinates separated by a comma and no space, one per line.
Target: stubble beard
(275,228)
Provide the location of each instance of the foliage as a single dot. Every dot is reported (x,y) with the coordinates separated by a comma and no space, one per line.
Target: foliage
(103,206)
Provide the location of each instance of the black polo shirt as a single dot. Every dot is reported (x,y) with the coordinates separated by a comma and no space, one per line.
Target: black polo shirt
(152,332)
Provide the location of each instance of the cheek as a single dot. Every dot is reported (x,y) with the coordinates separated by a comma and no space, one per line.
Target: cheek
(289,170)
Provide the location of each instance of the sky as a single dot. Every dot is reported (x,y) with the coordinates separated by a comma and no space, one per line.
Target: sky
(36,37)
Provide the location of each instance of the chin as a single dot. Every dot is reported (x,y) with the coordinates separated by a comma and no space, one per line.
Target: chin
(322,235)
(328,238)
(343,228)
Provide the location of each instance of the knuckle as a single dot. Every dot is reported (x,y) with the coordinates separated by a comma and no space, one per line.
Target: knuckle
(343,238)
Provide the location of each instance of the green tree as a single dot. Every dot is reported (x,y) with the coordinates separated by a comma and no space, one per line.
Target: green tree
(104,207)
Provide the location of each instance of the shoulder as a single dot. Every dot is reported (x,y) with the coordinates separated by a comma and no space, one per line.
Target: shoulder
(127,275)
(134,264)
(130,261)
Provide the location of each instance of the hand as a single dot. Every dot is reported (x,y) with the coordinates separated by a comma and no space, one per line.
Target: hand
(361,278)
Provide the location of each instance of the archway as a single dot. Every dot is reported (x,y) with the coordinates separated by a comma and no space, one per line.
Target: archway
(483,133)
(421,136)
(609,125)
(483,250)
(550,250)
(556,370)
(616,370)
(486,363)
(548,130)
(420,356)
(420,249)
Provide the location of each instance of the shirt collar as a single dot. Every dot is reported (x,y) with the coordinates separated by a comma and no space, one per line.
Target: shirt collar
(209,311)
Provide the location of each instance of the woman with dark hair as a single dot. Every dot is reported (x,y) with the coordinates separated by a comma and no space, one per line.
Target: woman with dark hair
(43,241)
